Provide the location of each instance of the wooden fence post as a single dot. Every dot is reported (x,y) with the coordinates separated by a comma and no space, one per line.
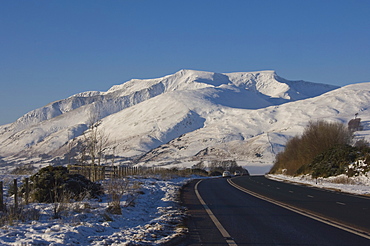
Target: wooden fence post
(89,171)
(27,190)
(1,197)
(15,194)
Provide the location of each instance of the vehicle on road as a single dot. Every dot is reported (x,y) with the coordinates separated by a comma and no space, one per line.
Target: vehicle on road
(237,173)
(226,174)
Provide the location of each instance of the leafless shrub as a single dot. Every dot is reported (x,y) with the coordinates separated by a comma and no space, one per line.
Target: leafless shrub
(12,215)
(61,204)
(131,199)
(134,192)
(342,179)
(116,188)
(321,135)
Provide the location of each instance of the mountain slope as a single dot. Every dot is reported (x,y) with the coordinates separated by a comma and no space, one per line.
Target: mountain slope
(187,115)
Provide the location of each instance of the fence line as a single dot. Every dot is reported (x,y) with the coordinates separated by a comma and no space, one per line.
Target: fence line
(16,197)
(95,173)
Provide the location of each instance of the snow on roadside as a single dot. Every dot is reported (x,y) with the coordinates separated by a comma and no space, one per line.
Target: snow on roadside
(355,185)
(151,221)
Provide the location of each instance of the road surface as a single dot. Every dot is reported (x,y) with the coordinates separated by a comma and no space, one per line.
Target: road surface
(229,216)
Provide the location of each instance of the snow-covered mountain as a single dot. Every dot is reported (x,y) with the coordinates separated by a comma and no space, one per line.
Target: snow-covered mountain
(189,115)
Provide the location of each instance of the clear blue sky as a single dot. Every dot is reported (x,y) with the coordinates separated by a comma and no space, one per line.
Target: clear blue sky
(50,50)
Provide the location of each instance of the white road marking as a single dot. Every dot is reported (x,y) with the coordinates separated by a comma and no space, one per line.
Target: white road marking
(340,203)
(219,226)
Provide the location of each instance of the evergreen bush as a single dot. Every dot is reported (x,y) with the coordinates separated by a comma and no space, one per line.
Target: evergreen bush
(332,162)
(52,183)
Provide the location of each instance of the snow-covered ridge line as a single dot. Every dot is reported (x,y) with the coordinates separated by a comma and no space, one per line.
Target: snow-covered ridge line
(241,115)
(266,82)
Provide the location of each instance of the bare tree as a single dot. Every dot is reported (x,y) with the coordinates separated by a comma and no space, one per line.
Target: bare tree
(95,143)
(91,146)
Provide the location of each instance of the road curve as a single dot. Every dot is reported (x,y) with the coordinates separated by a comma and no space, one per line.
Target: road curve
(251,221)
(341,209)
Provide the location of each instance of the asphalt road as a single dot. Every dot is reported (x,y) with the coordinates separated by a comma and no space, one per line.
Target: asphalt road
(248,220)
(343,209)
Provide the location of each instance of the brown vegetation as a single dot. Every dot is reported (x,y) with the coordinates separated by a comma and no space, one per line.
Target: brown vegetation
(317,137)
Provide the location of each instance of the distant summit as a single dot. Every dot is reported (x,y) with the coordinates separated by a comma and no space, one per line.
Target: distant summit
(244,116)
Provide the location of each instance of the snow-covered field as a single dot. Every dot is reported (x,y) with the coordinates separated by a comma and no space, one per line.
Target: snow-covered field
(153,218)
(355,185)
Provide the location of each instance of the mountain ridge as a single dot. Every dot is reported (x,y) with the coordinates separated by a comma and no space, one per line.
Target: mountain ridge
(228,115)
